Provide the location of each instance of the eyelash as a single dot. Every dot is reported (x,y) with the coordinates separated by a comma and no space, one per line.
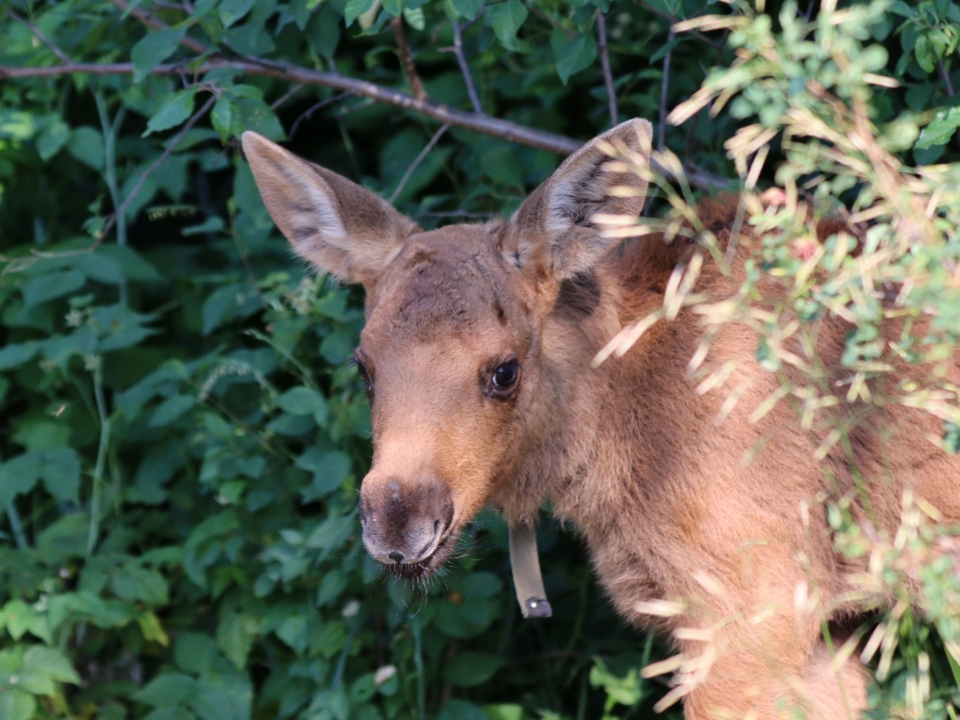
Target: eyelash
(364,374)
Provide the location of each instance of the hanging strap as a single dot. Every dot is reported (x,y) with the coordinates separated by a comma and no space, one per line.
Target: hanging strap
(526,571)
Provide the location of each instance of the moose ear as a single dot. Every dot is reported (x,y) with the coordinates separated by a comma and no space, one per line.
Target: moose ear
(332,222)
(554,224)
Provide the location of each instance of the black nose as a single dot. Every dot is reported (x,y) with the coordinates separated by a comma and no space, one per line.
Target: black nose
(404,520)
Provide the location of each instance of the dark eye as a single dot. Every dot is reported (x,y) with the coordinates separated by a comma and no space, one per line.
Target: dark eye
(364,376)
(506,375)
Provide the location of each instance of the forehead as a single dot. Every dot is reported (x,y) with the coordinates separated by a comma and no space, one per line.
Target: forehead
(451,280)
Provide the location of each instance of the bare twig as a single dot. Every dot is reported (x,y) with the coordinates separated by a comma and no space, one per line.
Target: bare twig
(553,21)
(155,165)
(40,35)
(605,64)
(406,59)
(286,96)
(465,68)
(485,124)
(150,21)
(674,19)
(504,129)
(309,113)
(662,121)
(416,162)
(945,76)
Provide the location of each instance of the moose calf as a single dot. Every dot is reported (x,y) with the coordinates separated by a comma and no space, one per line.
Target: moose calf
(477,358)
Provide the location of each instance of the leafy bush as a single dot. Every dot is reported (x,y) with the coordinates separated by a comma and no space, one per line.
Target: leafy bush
(184,438)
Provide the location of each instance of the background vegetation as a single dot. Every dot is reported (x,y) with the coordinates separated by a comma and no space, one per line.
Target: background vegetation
(182,438)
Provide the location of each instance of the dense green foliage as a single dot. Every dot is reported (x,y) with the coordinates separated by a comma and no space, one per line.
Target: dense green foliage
(183,436)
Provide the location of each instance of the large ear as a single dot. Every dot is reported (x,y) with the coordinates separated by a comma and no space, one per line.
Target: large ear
(553,225)
(331,221)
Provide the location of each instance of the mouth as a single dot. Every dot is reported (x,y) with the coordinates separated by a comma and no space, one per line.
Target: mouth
(428,565)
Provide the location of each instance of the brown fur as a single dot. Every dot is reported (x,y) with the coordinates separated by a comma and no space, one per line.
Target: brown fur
(628,451)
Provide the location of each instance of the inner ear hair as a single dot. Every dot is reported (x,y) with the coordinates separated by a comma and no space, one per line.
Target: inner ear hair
(331,221)
(554,223)
(581,186)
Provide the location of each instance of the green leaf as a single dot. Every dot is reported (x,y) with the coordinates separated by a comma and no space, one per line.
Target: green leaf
(506,19)
(415,18)
(323,31)
(222,116)
(304,401)
(951,437)
(20,618)
(194,652)
(153,50)
(504,711)
(134,583)
(940,129)
(228,302)
(250,39)
(169,689)
(16,124)
(86,145)
(461,710)
(329,470)
(331,586)
(222,696)
(51,663)
(51,286)
(118,327)
(468,8)
(575,55)
(16,354)
(18,476)
(231,11)
(356,8)
(17,705)
(256,115)
(60,471)
(469,669)
(212,225)
(171,410)
(331,533)
(235,635)
(174,111)
(52,139)
(500,163)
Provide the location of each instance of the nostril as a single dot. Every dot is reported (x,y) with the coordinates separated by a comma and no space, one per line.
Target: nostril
(436,527)
(397,557)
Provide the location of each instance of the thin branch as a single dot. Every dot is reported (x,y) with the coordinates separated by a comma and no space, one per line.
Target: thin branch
(416,163)
(40,35)
(946,78)
(504,129)
(553,21)
(605,64)
(309,113)
(286,96)
(155,165)
(674,19)
(150,21)
(406,59)
(465,68)
(662,121)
